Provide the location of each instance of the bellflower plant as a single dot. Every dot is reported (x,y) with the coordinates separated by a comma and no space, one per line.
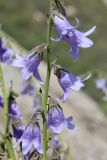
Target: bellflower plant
(72,36)
(6,53)
(50,119)
(67,81)
(31,137)
(30,63)
(56,120)
(29,66)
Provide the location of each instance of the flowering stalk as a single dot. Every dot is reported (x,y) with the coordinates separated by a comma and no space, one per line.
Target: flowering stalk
(47,83)
(6,130)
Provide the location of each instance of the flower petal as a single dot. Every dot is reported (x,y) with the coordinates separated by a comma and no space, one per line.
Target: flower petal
(26,146)
(65,95)
(62,23)
(84,42)
(38,146)
(72,36)
(77,85)
(70,125)
(19,62)
(57,129)
(75,51)
(26,73)
(37,76)
(56,119)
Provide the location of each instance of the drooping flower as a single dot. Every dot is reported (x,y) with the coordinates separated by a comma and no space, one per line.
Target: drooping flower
(102,84)
(67,81)
(6,53)
(72,36)
(30,63)
(56,120)
(15,117)
(30,137)
(27,88)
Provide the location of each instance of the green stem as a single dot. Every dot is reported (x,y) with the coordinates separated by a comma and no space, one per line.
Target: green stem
(5,101)
(47,85)
(6,130)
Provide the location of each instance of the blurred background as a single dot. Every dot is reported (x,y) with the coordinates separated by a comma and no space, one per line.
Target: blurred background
(26,21)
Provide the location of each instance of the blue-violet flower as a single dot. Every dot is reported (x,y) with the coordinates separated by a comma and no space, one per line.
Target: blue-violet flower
(72,36)
(30,64)
(14,116)
(67,81)
(56,119)
(30,137)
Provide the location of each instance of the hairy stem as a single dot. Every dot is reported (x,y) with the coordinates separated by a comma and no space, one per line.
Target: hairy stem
(47,84)
(6,130)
